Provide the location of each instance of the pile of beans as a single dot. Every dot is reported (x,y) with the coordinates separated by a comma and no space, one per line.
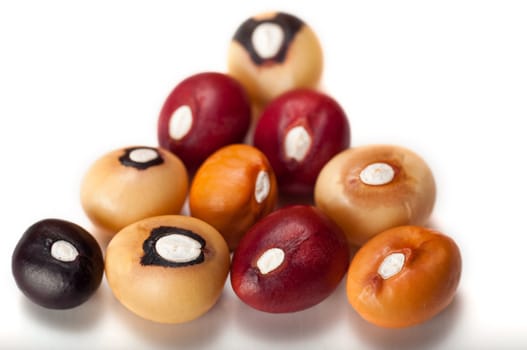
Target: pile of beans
(237,145)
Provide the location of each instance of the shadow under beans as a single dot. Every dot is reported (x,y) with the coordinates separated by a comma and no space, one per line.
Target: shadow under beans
(300,325)
(426,335)
(198,333)
(79,319)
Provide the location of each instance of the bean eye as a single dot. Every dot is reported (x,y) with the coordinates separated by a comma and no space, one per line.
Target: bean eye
(64,251)
(377,174)
(262,186)
(268,38)
(173,247)
(180,122)
(391,265)
(270,260)
(141,157)
(57,264)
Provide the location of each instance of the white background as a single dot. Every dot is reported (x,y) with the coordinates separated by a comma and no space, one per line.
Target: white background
(447,79)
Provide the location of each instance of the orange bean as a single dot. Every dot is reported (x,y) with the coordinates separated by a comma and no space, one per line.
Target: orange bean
(232,189)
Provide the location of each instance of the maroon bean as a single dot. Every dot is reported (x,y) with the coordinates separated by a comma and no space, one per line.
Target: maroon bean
(203,113)
(289,261)
(300,132)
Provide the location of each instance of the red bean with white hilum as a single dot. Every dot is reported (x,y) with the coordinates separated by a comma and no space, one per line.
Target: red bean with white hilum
(300,132)
(289,261)
(203,113)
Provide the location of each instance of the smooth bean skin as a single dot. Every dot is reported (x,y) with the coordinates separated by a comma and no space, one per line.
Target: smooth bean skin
(159,290)
(50,282)
(424,287)
(297,64)
(315,259)
(362,209)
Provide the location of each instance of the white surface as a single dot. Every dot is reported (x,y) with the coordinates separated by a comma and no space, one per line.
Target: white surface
(377,174)
(178,248)
(267,39)
(297,143)
(270,260)
(447,79)
(143,155)
(180,122)
(64,251)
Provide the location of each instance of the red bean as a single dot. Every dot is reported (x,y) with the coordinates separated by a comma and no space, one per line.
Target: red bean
(204,112)
(289,261)
(300,132)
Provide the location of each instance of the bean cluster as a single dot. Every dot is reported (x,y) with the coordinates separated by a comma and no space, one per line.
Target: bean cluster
(238,146)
